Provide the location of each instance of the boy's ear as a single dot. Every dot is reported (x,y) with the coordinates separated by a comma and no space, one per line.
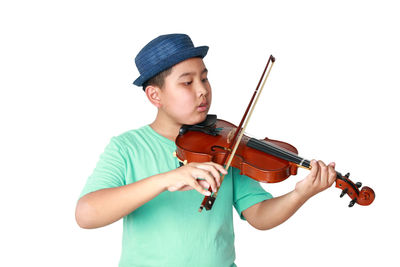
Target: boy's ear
(153,94)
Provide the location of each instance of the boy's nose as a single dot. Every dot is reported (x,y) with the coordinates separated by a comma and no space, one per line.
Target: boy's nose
(202,89)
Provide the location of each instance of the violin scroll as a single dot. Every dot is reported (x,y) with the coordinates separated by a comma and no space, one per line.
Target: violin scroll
(363,197)
(367,196)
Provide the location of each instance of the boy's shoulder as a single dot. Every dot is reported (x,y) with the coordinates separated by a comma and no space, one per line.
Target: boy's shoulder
(133,132)
(144,136)
(132,136)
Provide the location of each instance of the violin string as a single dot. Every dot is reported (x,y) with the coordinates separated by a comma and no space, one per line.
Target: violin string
(266,147)
(290,155)
(280,152)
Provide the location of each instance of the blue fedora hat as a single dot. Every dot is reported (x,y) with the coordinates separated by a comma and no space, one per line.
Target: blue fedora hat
(164,52)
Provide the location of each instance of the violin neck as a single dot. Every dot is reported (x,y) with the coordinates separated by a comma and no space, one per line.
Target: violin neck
(285,154)
(278,152)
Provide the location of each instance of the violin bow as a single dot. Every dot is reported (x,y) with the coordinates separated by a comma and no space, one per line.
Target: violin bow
(208,201)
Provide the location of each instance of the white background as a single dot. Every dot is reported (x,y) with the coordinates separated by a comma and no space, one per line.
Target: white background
(66,73)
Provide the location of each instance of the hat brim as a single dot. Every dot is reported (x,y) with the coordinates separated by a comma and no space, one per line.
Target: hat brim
(172,60)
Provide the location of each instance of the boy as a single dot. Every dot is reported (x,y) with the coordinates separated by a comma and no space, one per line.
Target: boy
(138,179)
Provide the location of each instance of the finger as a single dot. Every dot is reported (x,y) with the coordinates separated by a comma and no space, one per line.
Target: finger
(185,188)
(213,171)
(204,184)
(314,170)
(323,178)
(196,186)
(219,168)
(200,173)
(332,173)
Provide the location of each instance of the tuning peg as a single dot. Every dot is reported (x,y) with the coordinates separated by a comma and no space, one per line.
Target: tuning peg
(344,191)
(347,175)
(358,184)
(352,202)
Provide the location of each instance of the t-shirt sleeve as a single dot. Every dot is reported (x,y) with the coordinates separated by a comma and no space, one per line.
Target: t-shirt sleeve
(246,192)
(110,169)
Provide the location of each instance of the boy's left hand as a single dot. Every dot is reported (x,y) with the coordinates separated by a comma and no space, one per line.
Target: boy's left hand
(320,178)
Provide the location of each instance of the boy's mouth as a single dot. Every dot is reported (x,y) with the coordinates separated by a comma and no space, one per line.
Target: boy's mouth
(202,107)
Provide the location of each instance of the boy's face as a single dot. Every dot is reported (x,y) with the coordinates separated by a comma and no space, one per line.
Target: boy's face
(186,94)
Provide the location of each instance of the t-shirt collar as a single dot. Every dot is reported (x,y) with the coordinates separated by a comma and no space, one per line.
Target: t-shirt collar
(160,137)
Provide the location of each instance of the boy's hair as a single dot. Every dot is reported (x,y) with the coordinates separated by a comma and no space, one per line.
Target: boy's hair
(157,80)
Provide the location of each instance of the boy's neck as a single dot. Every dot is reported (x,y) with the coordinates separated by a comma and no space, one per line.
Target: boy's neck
(165,127)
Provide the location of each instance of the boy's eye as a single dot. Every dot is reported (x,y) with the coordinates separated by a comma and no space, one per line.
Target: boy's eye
(205,80)
(187,83)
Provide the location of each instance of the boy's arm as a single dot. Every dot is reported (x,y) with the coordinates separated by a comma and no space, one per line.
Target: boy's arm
(272,212)
(105,206)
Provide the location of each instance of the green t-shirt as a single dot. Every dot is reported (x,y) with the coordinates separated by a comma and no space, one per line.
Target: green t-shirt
(168,230)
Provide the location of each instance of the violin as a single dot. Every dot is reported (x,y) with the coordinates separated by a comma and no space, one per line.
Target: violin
(264,160)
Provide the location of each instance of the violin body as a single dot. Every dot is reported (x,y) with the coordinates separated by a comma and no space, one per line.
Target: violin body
(195,146)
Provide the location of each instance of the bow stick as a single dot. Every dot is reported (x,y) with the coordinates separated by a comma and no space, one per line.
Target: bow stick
(208,201)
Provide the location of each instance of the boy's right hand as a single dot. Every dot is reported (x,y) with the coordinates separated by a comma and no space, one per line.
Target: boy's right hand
(196,176)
